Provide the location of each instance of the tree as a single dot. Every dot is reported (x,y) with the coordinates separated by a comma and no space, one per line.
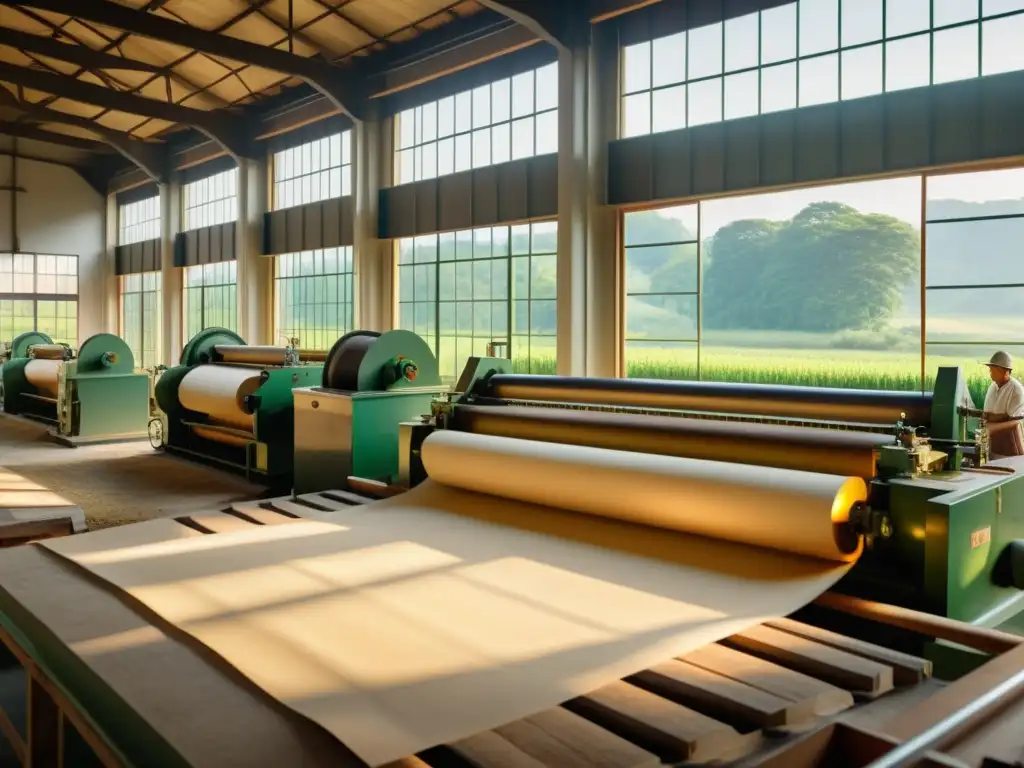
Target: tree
(829,268)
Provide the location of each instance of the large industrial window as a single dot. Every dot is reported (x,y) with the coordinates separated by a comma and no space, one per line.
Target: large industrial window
(817,286)
(814,52)
(462,291)
(314,289)
(140,293)
(210,297)
(209,201)
(139,221)
(974,273)
(140,316)
(507,120)
(314,296)
(39,292)
(316,170)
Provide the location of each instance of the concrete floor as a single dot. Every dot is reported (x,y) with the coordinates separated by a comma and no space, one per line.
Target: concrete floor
(117,483)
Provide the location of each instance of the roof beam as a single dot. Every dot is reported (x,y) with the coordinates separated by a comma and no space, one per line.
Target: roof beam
(150,158)
(228,131)
(550,21)
(342,87)
(34,132)
(81,55)
(453,57)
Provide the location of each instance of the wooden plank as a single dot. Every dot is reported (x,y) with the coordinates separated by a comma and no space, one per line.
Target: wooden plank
(851,672)
(489,750)
(669,730)
(822,699)
(324,502)
(216,522)
(257,514)
(289,507)
(15,533)
(561,739)
(43,727)
(374,488)
(907,669)
(722,696)
(347,497)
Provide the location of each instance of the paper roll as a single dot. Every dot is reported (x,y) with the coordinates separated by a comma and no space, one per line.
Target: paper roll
(219,391)
(42,374)
(784,509)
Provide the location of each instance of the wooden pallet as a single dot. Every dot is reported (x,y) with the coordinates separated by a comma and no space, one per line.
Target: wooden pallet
(737,702)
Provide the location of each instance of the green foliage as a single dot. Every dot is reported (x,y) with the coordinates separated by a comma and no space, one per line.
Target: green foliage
(829,268)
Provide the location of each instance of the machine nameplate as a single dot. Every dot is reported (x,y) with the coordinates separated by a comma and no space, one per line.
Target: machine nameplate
(981,537)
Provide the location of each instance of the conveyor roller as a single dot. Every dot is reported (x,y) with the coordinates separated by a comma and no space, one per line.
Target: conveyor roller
(850,406)
(837,452)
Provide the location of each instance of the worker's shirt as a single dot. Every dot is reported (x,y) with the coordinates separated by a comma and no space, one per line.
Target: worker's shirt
(1006,400)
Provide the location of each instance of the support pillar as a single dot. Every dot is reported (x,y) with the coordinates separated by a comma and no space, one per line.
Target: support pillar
(373,257)
(110,319)
(588,258)
(254,271)
(171,276)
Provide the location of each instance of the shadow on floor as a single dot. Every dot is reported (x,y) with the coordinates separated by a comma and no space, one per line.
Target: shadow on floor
(118,483)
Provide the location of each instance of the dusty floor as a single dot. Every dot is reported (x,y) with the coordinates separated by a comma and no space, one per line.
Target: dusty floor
(117,483)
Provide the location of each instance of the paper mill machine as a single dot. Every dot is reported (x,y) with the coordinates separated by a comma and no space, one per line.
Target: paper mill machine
(95,397)
(945,525)
(348,425)
(231,404)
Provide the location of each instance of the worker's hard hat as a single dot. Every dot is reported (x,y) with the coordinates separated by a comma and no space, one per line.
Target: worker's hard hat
(1001,360)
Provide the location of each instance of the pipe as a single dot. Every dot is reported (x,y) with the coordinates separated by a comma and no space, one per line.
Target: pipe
(912,751)
(854,406)
(979,638)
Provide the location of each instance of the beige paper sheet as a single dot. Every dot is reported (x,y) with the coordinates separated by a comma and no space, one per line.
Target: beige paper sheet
(218,391)
(42,374)
(443,612)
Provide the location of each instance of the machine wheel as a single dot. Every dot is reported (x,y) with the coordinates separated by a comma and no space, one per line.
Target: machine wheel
(156,433)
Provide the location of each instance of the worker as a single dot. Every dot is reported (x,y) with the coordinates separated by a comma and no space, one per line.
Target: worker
(1004,407)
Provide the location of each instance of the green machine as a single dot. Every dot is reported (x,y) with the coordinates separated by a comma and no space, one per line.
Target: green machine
(20,348)
(348,425)
(231,404)
(96,397)
(944,523)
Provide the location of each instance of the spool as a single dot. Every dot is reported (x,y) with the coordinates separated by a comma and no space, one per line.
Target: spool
(219,392)
(243,354)
(341,370)
(856,406)
(49,351)
(367,361)
(42,374)
(834,452)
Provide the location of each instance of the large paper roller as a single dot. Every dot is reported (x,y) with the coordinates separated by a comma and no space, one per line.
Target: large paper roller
(42,374)
(804,403)
(838,452)
(219,391)
(799,512)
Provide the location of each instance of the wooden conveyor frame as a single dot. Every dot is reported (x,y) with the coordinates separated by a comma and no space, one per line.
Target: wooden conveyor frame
(53,678)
